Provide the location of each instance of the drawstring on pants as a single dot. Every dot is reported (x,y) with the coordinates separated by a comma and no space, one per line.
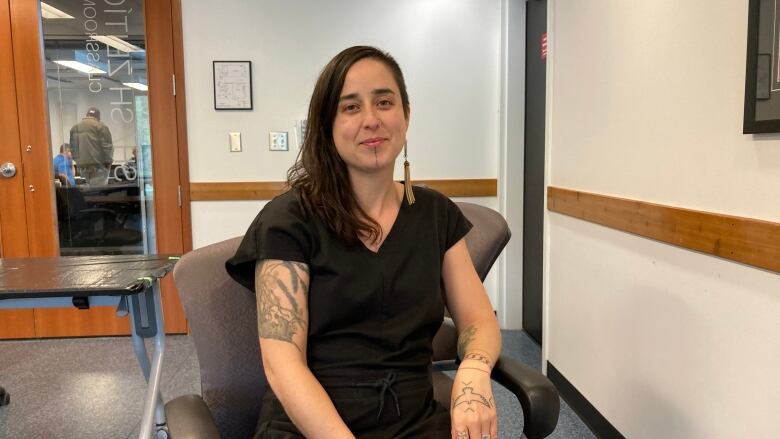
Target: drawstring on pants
(383,386)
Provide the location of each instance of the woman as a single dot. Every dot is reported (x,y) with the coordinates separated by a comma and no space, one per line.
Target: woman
(348,267)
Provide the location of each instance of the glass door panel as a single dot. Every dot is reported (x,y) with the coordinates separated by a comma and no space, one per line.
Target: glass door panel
(97,94)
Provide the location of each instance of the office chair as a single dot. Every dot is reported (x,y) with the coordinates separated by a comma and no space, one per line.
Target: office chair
(5,398)
(223,319)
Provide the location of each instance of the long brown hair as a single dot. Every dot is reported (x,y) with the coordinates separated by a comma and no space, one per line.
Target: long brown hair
(319,173)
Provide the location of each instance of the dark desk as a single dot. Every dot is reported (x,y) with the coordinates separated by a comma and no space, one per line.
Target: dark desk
(100,219)
(116,193)
(129,282)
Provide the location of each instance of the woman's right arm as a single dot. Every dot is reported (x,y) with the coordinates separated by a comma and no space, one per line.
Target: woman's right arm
(283,321)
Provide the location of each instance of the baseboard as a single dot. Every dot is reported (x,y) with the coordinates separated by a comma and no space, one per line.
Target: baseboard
(597,423)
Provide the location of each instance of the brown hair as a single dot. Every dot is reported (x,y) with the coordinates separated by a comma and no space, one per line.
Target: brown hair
(319,174)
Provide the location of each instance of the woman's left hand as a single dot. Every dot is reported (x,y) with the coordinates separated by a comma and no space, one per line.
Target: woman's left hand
(473,409)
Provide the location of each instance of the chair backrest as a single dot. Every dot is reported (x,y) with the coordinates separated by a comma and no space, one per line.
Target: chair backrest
(488,237)
(485,242)
(223,321)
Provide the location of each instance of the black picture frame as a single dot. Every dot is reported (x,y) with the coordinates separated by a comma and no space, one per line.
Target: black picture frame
(762,72)
(232,85)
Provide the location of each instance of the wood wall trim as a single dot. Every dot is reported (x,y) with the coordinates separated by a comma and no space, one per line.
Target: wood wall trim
(475,187)
(259,190)
(265,190)
(746,240)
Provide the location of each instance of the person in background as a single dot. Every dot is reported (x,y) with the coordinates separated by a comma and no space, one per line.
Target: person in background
(91,142)
(64,166)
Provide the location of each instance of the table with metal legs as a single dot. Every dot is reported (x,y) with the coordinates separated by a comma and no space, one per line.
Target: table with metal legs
(130,283)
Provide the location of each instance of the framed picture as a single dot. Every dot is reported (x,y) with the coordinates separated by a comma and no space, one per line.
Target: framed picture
(762,77)
(232,85)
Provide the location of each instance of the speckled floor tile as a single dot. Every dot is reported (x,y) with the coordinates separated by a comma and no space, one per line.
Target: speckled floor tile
(93,388)
(519,345)
(84,388)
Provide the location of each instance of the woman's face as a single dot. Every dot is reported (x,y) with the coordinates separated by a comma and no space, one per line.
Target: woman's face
(370,127)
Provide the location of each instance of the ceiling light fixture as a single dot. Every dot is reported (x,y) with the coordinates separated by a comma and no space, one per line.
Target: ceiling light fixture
(136,85)
(81,67)
(117,43)
(51,12)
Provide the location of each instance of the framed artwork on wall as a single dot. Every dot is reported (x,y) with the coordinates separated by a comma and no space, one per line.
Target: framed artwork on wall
(232,85)
(762,77)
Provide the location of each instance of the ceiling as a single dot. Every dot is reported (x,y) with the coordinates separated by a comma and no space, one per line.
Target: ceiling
(71,39)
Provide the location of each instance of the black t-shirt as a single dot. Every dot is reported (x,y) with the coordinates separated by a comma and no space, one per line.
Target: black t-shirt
(367,311)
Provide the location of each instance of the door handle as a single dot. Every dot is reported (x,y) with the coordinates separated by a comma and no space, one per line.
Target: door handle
(8,170)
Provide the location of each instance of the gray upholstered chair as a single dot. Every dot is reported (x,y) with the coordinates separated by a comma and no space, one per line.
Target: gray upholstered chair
(223,321)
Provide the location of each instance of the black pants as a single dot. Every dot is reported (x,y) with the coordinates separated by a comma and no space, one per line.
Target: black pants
(386,406)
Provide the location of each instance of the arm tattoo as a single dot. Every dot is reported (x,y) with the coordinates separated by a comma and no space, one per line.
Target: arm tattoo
(465,337)
(281,295)
(469,401)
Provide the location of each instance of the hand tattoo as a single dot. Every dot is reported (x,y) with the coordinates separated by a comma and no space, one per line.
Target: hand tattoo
(463,434)
(281,293)
(469,400)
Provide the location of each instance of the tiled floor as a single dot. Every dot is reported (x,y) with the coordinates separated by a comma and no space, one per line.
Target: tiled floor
(85,388)
(518,344)
(93,388)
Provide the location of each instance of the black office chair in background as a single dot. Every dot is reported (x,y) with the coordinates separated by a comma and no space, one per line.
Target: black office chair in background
(85,229)
(5,398)
(223,322)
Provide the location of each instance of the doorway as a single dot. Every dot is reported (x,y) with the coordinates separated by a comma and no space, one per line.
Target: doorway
(533,181)
(87,126)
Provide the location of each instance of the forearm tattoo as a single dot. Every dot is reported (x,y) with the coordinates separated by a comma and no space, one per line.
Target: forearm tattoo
(482,358)
(468,400)
(281,296)
(465,337)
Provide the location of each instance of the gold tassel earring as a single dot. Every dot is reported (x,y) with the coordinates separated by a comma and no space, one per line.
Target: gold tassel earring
(407,180)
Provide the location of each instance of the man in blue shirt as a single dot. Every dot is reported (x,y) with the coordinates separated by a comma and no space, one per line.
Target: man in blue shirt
(64,168)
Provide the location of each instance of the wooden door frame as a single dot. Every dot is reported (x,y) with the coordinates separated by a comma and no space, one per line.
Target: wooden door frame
(33,116)
(13,217)
(15,323)
(170,173)
(181,126)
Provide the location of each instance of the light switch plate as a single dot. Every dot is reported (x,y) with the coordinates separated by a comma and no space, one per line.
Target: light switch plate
(235,142)
(277,141)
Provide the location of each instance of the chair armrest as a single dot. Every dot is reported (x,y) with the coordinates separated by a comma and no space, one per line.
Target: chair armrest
(189,418)
(537,395)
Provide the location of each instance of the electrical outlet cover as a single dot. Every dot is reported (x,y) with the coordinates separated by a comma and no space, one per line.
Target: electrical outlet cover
(277,141)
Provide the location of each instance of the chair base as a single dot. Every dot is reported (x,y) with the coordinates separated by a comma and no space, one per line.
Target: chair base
(190,418)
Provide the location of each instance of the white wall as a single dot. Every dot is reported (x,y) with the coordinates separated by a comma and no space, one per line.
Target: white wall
(449,51)
(646,103)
